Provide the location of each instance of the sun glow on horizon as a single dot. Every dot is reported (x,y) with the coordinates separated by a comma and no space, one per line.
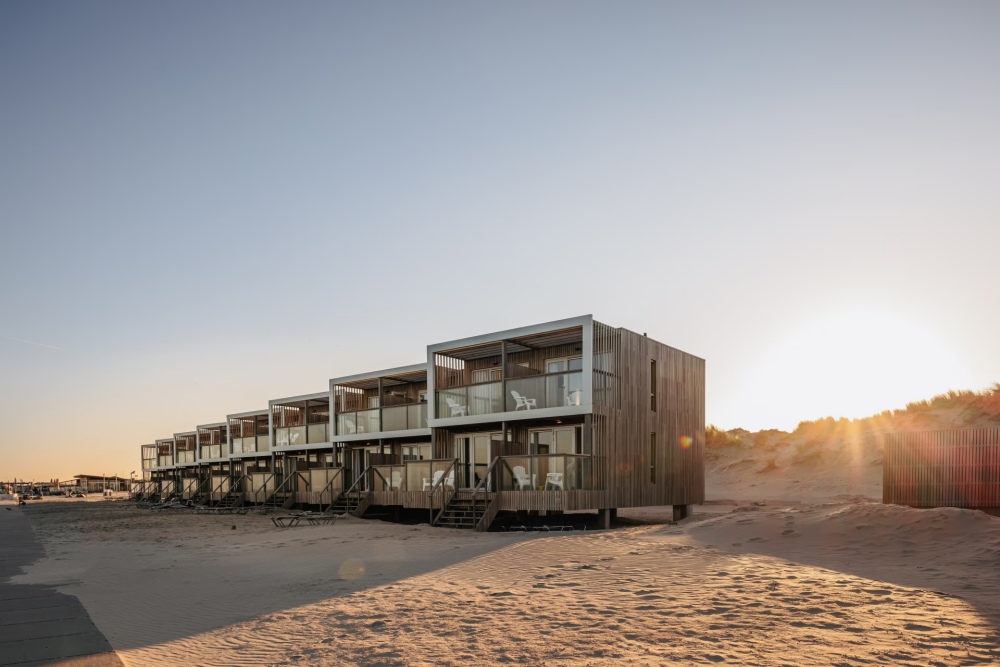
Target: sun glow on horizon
(850,365)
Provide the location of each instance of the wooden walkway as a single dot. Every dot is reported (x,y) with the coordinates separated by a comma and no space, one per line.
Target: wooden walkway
(39,625)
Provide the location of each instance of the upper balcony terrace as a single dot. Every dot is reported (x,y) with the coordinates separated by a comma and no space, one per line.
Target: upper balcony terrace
(390,403)
(164,453)
(148,457)
(213,442)
(186,448)
(532,372)
(248,433)
(301,421)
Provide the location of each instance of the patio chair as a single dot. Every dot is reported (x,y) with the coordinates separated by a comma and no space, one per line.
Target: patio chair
(428,483)
(573,397)
(523,402)
(522,480)
(554,479)
(456,409)
(450,480)
(351,426)
(395,480)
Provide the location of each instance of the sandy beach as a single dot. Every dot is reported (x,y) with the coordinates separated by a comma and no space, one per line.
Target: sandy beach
(771,583)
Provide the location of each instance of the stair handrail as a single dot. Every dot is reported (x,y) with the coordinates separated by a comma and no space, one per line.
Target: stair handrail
(441,483)
(202,483)
(219,488)
(354,487)
(484,480)
(333,501)
(279,487)
(267,479)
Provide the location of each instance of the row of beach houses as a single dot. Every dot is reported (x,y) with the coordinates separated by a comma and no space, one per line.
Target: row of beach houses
(562,416)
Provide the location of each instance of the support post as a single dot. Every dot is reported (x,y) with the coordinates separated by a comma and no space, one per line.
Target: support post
(603,519)
(680,512)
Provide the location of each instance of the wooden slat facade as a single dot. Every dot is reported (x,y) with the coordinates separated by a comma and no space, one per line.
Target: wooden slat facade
(958,468)
(628,465)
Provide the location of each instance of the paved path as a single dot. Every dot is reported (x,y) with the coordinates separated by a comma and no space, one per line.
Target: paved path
(39,625)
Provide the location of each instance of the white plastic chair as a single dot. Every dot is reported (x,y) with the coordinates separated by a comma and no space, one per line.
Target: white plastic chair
(428,483)
(523,402)
(450,481)
(554,479)
(351,427)
(522,480)
(573,397)
(395,480)
(456,409)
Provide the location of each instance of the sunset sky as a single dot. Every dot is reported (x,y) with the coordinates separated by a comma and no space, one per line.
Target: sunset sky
(208,205)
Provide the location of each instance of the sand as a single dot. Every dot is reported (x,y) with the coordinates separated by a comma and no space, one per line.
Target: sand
(771,573)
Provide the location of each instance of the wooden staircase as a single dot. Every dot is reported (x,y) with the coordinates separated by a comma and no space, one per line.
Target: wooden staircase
(466,511)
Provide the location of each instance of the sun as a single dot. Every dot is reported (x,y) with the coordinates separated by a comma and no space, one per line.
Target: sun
(851,365)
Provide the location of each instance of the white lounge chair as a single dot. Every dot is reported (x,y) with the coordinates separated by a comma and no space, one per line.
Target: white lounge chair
(351,427)
(522,480)
(554,479)
(450,480)
(523,402)
(428,483)
(456,409)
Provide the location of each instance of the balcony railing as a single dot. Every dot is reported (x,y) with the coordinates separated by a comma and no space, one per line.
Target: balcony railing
(476,399)
(404,417)
(260,443)
(186,456)
(212,452)
(291,436)
(555,390)
(410,476)
(359,421)
(547,472)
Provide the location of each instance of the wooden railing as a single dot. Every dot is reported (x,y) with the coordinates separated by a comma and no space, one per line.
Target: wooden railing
(278,489)
(442,485)
(359,487)
(484,487)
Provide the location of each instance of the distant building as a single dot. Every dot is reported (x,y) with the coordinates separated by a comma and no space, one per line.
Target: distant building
(100,483)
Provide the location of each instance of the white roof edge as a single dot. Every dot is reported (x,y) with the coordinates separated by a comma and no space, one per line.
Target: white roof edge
(555,325)
(303,397)
(399,370)
(251,413)
(215,425)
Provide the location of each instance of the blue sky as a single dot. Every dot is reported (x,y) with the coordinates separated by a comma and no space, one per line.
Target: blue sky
(207,205)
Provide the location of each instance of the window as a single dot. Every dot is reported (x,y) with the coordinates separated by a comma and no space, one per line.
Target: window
(486,375)
(652,458)
(652,385)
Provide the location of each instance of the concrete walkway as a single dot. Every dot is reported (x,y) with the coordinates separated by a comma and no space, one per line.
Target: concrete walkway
(39,625)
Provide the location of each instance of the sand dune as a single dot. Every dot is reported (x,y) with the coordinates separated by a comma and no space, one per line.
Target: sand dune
(846,584)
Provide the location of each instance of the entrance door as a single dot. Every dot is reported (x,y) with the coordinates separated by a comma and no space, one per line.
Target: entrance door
(473,453)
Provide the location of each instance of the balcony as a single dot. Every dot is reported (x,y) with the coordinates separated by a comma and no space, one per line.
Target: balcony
(546,367)
(547,472)
(381,402)
(553,390)
(404,417)
(212,452)
(296,436)
(410,476)
(260,443)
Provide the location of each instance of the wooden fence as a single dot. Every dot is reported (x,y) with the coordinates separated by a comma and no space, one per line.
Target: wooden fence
(943,469)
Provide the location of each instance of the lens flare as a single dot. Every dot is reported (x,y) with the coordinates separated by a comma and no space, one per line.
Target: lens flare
(686,441)
(351,569)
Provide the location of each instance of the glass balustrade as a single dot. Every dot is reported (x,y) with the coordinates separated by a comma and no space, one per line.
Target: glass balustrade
(476,399)
(404,417)
(546,472)
(557,390)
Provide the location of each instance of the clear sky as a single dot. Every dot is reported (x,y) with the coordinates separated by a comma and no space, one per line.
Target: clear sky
(207,205)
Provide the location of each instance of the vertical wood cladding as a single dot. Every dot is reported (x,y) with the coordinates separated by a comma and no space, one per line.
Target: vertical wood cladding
(624,419)
(943,469)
